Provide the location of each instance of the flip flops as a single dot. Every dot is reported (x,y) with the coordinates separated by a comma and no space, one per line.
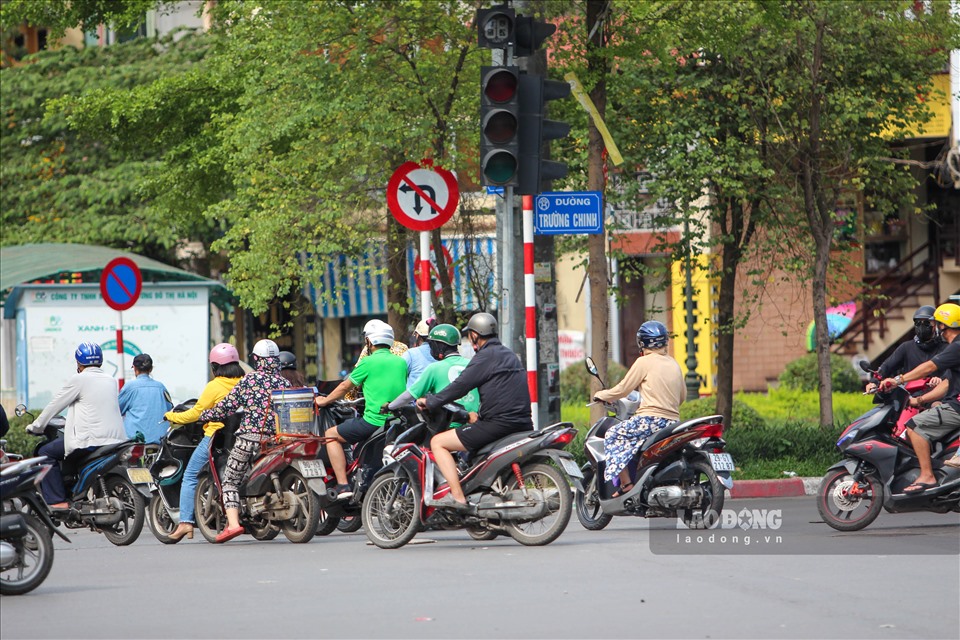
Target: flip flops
(919,487)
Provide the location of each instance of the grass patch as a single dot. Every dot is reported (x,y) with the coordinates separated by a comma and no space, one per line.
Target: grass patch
(789,439)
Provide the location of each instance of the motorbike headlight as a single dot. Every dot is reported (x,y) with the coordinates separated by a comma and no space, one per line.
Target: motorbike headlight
(849,436)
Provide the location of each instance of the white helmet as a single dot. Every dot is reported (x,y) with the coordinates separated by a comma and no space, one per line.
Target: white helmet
(266,349)
(380,335)
(372,325)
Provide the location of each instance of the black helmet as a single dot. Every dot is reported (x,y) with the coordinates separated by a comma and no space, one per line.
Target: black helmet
(483,324)
(287,360)
(923,325)
(652,335)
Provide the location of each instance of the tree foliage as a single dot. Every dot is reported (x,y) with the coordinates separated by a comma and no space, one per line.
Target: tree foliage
(61,183)
(286,136)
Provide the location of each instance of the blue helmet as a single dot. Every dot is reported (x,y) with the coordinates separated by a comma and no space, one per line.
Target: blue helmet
(652,335)
(89,354)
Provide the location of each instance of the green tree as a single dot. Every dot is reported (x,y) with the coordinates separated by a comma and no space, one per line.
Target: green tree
(834,97)
(63,185)
(297,119)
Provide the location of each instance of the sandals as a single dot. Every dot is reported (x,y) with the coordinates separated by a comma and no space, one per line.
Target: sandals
(624,489)
(229,534)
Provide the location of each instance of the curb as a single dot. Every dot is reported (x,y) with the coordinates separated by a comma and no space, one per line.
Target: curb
(781,488)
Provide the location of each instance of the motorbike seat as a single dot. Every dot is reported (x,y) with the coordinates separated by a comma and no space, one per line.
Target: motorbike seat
(502,442)
(663,434)
(77,460)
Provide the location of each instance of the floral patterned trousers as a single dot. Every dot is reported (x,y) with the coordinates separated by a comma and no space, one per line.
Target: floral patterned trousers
(623,440)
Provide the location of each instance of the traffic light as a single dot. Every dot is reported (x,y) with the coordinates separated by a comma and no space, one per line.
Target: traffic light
(536,129)
(495,27)
(499,126)
(530,34)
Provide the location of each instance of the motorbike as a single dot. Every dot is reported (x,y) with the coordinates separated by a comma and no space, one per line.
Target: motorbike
(26,544)
(682,471)
(166,471)
(103,486)
(877,465)
(364,460)
(514,485)
(278,494)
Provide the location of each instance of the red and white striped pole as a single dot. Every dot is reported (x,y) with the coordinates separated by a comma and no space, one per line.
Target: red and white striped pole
(530,298)
(425,309)
(120,362)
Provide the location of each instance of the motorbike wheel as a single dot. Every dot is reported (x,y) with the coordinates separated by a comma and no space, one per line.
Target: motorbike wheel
(303,526)
(708,515)
(482,534)
(391,511)
(349,524)
(160,522)
(328,524)
(210,516)
(134,512)
(843,512)
(34,559)
(263,530)
(553,486)
(589,512)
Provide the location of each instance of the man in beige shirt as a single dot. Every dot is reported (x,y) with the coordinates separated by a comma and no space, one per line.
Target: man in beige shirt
(659,379)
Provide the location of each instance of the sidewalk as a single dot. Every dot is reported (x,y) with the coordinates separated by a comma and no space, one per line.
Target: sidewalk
(780,488)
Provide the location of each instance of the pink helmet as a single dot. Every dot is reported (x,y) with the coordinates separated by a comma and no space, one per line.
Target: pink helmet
(224,353)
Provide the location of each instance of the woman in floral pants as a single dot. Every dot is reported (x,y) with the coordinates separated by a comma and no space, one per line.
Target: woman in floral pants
(659,380)
(252,394)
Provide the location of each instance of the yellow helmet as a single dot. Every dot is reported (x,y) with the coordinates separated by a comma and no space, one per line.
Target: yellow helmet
(948,314)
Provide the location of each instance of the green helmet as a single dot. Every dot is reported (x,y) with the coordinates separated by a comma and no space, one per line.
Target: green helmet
(445,333)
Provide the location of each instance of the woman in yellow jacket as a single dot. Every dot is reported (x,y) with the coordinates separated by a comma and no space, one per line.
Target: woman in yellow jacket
(225,362)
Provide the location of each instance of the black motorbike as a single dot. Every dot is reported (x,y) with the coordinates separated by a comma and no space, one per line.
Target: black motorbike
(102,486)
(364,460)
(877,466)
(26,546)
(167,469)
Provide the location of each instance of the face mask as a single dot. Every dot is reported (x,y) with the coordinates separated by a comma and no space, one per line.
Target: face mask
(924,331)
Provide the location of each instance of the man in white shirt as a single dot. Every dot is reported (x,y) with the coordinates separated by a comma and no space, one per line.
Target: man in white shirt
(93,418)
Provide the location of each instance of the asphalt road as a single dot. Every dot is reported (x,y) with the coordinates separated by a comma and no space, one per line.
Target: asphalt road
(900,578)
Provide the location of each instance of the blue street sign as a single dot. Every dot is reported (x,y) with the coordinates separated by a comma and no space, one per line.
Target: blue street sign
(494,191)
(561,212)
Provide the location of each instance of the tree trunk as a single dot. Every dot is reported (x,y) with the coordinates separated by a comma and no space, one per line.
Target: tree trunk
(597,269)
(397,310)
(726,312)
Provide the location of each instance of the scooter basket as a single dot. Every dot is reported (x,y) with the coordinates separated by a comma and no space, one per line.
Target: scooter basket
(294,411)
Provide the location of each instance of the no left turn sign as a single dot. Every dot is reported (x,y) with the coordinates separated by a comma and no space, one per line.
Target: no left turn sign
(422,198)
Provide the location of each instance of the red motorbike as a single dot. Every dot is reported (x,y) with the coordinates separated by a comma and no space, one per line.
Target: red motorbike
(279,494)
(515,485)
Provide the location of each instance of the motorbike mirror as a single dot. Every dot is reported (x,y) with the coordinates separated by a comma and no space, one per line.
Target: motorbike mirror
(591,367)
(20,409)
(864,365)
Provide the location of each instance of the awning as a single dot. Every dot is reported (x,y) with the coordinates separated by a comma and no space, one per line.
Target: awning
(357,286)
(62,263)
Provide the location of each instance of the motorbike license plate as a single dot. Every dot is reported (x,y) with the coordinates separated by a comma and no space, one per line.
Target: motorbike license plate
(139,476)
(571,468)
(722,461)
(312,468)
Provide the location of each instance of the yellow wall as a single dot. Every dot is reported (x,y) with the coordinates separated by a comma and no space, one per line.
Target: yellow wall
(939,103)
(705,305)
(571,314)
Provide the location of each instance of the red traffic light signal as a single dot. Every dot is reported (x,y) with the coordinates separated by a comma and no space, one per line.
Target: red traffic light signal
(499,125)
